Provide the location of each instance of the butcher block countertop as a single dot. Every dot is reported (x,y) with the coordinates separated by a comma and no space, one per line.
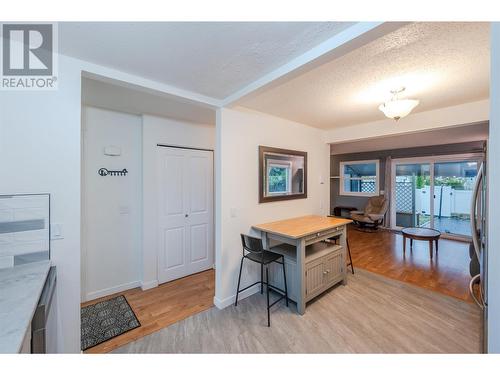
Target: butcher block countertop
(299,227)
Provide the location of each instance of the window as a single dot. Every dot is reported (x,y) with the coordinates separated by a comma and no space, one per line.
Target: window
(359,178)
(279,177)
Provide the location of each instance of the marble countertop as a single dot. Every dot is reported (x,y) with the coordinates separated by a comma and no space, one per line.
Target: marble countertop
(20,290)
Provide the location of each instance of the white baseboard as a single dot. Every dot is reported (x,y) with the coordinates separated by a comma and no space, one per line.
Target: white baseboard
(145,285)
(223,303)
(116,289)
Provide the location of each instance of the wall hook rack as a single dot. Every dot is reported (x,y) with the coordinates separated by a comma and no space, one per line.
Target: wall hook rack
(105,172)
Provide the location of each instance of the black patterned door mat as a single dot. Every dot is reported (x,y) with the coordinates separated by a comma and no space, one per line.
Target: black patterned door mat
(106,319)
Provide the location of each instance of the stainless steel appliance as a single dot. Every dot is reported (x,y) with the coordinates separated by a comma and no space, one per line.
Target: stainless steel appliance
(479,250)
(44,323)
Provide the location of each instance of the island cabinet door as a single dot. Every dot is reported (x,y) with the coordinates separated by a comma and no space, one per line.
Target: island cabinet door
(315,277)
(334,267)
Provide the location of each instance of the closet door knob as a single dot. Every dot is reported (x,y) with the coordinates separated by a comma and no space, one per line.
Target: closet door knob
(186,215)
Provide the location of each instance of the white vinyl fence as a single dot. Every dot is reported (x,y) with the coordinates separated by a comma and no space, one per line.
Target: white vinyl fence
(453,202)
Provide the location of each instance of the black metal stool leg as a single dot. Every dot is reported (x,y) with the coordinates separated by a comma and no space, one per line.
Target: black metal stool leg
(239,279)
(284,280)
(267,291)
(350,258)
(261,278)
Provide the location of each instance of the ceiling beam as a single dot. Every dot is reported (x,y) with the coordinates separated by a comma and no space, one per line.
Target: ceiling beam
(340,44)
(119,78)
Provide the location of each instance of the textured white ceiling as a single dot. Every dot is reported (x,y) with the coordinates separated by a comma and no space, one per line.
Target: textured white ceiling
(442,64)
(136,101)
(211,58)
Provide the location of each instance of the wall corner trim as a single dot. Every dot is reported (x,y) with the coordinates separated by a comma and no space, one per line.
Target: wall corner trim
(145,285)
(228,301)
(108,291)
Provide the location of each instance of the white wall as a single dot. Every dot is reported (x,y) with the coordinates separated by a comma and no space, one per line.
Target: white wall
(112,206)
(40,152)
(157,130)
(493,177)
(457,115)
(239,133)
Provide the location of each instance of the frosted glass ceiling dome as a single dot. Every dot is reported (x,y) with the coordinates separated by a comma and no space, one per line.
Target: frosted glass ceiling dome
(398,108)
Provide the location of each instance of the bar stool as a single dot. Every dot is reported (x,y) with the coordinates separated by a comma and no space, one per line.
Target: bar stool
(253,250)
(335,240)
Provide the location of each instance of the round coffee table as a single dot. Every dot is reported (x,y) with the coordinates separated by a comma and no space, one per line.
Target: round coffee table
(423,234)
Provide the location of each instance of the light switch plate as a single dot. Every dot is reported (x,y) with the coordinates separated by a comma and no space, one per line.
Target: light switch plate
(112,151)
(56,231)
(232,212)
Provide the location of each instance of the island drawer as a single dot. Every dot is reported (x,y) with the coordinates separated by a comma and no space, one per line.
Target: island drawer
(321,236)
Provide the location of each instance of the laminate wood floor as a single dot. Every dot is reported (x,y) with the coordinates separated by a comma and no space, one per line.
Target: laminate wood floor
(159,307)
(371,314)
(381,252)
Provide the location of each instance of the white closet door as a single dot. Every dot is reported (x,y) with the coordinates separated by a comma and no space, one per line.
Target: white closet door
(185,212)
(200,219)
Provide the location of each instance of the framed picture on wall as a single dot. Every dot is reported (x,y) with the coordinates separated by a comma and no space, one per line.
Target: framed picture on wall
(282,174)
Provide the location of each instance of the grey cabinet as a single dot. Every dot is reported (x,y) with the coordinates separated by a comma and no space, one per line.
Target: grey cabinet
(315,278)
(334,268)
(325,267)
(303,240)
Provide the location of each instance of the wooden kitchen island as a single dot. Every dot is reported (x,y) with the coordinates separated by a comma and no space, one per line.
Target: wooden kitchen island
(313,264)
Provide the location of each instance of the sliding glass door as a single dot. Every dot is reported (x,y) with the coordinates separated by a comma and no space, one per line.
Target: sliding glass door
(434,192)
(453,185)
(412,195)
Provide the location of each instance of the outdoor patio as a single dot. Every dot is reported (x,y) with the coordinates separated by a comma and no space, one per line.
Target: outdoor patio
(451,207)
(451,225)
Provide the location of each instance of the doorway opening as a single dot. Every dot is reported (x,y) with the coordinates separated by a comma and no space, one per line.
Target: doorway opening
(434,192)
(165,273)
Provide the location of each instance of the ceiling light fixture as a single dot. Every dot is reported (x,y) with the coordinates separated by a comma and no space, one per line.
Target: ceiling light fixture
(398,108)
